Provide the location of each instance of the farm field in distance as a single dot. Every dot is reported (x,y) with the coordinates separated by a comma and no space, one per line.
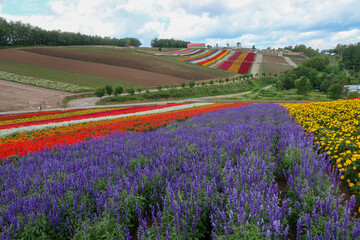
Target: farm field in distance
(274,64)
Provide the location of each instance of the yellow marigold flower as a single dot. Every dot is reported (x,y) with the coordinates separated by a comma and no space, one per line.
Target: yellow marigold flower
(354,168)
(351,185)
(347,142)
(339,166)
(342,177)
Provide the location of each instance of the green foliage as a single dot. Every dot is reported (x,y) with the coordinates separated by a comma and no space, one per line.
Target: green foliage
(211,82)
(130,91)
(203,83)
(168,43)
(139,90)
(183,85)
(335,91)
(99,92)
(279,85)
(109,89)
(191,84)
(158,87)
(318,62)
(303,85)
(18,33)
(118,90)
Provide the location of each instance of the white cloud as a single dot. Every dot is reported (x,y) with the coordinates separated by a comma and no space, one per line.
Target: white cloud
(261,23)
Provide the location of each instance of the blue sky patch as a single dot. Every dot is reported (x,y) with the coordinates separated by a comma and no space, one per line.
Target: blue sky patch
(24,7)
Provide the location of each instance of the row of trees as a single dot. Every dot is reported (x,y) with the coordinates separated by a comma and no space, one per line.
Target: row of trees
(165,43)
(18,33)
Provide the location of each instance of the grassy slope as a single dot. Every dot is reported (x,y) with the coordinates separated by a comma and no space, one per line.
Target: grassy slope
(60,76)
(133,59)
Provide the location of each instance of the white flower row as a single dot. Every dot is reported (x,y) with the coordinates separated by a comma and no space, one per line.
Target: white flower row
(14,131)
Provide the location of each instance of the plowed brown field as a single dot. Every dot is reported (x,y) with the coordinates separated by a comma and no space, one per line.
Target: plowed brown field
(89,68)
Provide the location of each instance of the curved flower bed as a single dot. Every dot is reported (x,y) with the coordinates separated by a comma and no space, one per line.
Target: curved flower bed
(34,138)
(212,176)
(218,56)
(336,128)
(197,57)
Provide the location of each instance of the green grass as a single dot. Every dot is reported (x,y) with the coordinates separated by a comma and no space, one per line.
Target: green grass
(61,76)
(286,95)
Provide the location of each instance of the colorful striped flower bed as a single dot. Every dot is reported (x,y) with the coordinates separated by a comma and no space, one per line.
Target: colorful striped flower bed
(40,135)
(197,57)
(227,64)
(237,63)
(214,175)
(246,64)
(218,56)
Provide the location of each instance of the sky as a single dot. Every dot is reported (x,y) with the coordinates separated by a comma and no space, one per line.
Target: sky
(321,24)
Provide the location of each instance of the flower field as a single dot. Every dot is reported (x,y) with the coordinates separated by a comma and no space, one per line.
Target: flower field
(121,174)
(218,56)
(201,56)
(240,62)
(336,128)
(34,132)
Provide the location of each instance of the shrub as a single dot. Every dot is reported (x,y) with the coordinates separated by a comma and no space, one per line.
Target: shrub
(109,89)
(99,92)
(158,87)
(118,90)
(211,82)
(130,91)
(191,84)
(183,85)
(139,90)
(203,83)
(227,80)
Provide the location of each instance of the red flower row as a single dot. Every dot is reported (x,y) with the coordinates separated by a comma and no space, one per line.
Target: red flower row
(81,132)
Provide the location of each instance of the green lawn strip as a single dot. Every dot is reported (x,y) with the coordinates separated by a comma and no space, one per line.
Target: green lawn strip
(61,76)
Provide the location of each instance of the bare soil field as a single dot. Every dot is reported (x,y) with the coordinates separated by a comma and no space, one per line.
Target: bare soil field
(16,97)
(90,68)
(131,59)
(298,61)
(274,59)
(275,68)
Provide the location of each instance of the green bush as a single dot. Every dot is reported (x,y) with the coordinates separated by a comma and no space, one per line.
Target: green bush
(99,92)
(183,85)
(191,84)
(109,89)
(130,91)
(118,90)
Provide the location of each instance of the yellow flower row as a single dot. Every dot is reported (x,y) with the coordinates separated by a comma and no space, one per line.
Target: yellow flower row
(336,127)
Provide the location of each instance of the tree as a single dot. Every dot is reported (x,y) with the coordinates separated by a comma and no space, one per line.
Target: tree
(118,90)
(335,91)
(130,91)
(253,48)
(238,44)
(303,85)
(191,84)
(279,85)
(99,92)
(227,44)
(109,89)
(158,87)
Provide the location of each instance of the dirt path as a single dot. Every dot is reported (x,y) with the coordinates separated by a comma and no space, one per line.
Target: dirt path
(256,64)
(17,97)
(291,63)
